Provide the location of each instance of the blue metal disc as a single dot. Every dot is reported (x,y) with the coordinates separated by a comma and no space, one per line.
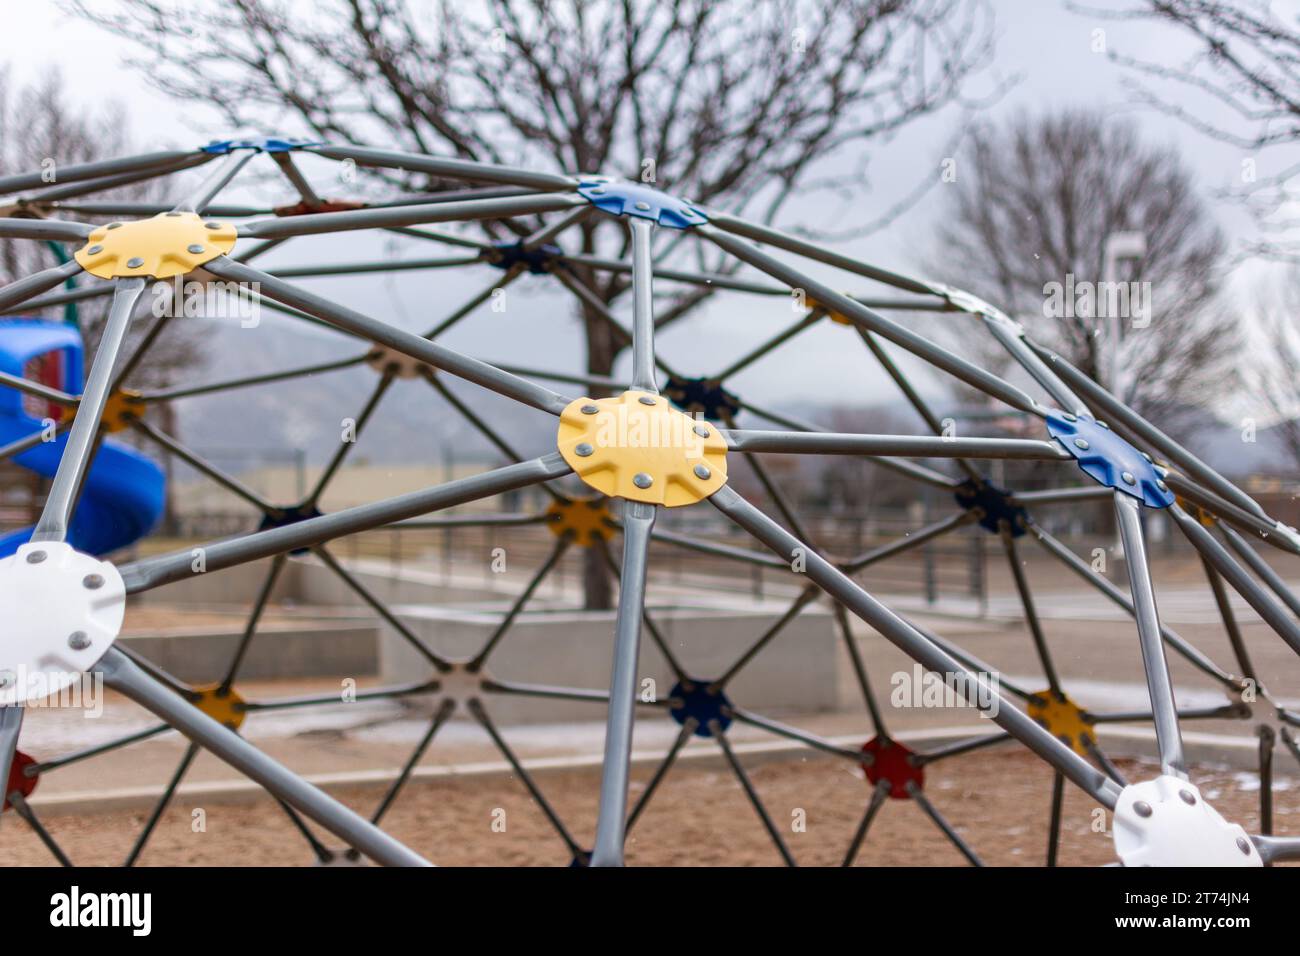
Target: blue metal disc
(1110,460)
(996,505)
(697,701)
(622,198)
(266,144)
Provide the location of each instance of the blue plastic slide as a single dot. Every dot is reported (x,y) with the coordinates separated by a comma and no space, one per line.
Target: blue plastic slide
(123,495)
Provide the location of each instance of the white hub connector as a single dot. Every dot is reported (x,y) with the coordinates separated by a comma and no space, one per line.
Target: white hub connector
(63,610)
(1165,822)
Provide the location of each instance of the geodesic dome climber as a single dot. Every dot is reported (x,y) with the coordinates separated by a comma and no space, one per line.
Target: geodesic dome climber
(663,439)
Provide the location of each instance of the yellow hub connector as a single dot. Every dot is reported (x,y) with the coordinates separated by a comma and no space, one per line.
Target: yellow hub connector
(586,520)
(170,244)
(225,708)
(638,447)
(1064,719)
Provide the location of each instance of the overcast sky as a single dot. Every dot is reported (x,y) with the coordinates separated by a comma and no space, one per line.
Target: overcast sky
(1046,48)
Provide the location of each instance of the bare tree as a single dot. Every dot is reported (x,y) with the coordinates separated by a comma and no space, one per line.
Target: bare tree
(1243,78)
(1277,387)
(734,103)
(1027,226)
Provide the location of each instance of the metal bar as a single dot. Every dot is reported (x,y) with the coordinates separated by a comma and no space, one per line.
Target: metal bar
(1274,849)
(557,552)
(1061,495)
(749,358)
(1164,709)
(171,394)
(655,634)
(229,482)
(379,693)
(359,268)
(197,201)
(48,765)
(860,315)
(153,572)
(920,647)
(160,807)
(467,413)
(879,795)
(1031,615)
(961,747)
(538,690)
(638,521)
(860,670)
(340,453)
(1229,619)
(472,521)
(62,297)
(142,209)
(136,357)
(433,235)
(643,320)
(720,550)
(123,676)
(392,620)
(1236,575)
(914,539)
(11,724)
(1054,822)
(711,280)
(373,218)
(53,197)
(1267,740)
(480,373)
(1105,763)
(103,167)
(443,166)
(909,446)
(794,733)
(296,178)
(77,453)
(511,275)
(24,810)
(921,800)
(21,290)
(250,628)
(684,735)
(552,229)
(323,855)
(1013,340)
(802,600)
(395,788)
(480,714)
(1264,528)
(1261,568)
(751,793)
(778,498)
(37,389)
(1176,641)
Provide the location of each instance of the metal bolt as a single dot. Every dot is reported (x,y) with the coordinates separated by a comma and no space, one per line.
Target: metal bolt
(1142,808)
(1243,845)
(646,400)
(94,250)
(1104,425)
(1081,444)
(643,206)
(114,225)
(212,225)
(599,190)
(1070,418)
(78,640)
(590,409)
(35,557)
(702,471)
(173,214)
(93,581)
(701,430)
(583,450)
(195,248)
(1162,486)
(1128,478)
(134,263)
(1188,797)
(642,480)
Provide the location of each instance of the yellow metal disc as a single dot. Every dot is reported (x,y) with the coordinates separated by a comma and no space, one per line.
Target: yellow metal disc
(225,708)
(638,447)
(1064,719)
(587,519)
(124,406)
(170,244)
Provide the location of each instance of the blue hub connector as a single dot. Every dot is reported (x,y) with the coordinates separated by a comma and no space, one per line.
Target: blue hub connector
(1110,460)
(622,198)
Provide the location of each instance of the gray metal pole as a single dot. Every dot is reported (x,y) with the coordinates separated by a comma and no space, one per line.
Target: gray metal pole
(11,724)
(638,521)
(104,167)
(643,345)
(123,676)
(20,291)
(62,498)
(207,191)
(442,166)
(1164,710)
(912,446)
(58,230)
(915,644)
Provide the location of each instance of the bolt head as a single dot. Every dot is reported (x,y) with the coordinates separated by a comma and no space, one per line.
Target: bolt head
(212,225)
(590,409)
(642,480)
(702,472)
(1103,425)
(78,640)
(1162,486)
(643,206)
(135,262)
(599,190)
(95,250)
(1070,418)
(583,450)
(646,400)
(173,214)
(194,248)
(1081,444)
(93,581)
(1243,845)
(1128,478)
(1142,808)
(35,557)
(114,225)
(701,430)
(1187,797)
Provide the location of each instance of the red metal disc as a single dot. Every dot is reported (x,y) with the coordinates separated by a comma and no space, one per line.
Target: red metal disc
(18,780)
(890,762)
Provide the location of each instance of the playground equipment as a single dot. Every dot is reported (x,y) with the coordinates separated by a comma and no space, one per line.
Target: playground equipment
(664,439)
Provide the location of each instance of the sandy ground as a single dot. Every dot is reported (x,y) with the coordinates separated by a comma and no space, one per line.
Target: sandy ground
(699,817)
